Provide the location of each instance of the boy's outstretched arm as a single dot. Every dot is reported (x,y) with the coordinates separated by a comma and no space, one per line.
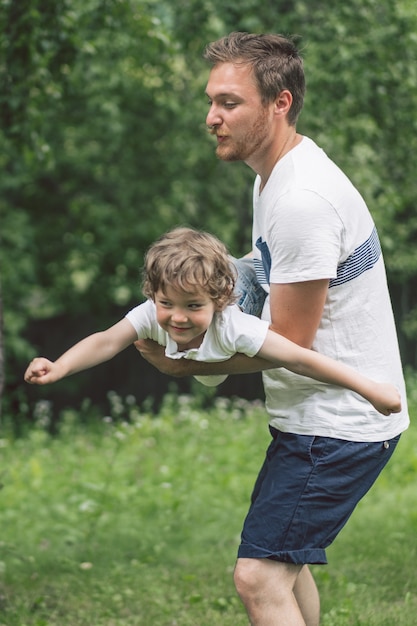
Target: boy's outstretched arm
(284,353)
(91,351)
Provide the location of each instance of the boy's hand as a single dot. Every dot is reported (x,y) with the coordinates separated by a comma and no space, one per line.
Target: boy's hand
(41,371)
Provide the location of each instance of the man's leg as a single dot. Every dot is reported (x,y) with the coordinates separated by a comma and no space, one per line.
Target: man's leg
(307,596)
(266,588)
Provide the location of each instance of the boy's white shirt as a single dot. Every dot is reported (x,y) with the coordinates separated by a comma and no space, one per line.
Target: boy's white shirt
(231,331)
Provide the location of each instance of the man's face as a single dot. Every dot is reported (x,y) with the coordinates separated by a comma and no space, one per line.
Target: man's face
(237,116)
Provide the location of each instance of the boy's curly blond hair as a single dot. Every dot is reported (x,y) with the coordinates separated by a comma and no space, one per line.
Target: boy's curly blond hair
(189,260)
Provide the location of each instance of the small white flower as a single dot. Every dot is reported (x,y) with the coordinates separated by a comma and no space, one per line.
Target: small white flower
(86,565)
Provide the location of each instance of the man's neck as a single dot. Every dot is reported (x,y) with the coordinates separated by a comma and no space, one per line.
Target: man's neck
(265,163)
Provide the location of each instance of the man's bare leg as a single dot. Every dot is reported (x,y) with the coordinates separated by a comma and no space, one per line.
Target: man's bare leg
(266,590)
(307,596)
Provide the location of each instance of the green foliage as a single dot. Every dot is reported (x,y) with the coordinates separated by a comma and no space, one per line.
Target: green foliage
(137,522)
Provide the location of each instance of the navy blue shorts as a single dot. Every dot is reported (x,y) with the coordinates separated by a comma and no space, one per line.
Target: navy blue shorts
(305,492)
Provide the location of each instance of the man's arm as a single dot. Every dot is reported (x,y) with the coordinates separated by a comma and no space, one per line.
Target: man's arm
(237,364)
(297,308)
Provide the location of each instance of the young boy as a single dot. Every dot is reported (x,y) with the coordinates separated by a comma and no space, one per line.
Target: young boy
(190,282)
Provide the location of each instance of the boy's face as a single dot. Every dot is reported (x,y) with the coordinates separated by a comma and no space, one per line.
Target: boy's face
(184,315)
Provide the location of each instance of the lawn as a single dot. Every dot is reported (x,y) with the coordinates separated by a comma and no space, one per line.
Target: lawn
(136,522)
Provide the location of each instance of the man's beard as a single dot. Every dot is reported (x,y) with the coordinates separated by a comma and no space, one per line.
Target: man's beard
(246,146)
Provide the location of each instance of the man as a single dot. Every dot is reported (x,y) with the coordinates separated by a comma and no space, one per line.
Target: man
(317,254)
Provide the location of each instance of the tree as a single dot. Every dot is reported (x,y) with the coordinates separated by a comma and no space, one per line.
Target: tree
(80,110)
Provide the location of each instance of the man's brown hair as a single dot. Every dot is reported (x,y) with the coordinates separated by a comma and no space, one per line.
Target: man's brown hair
(275,61)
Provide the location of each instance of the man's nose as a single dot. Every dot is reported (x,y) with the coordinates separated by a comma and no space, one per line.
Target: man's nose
(213,118)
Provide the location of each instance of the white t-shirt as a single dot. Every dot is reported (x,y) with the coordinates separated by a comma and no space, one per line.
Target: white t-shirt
(311,223)
(231,331)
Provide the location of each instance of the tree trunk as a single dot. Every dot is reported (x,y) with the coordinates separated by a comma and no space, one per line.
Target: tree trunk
(1,352)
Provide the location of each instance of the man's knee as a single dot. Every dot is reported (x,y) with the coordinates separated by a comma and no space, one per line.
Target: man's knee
(246,576)
(255,577)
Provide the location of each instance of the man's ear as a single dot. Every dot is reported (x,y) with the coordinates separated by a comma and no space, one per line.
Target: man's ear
(283,102)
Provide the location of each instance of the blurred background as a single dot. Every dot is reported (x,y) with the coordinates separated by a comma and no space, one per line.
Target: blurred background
(104,147)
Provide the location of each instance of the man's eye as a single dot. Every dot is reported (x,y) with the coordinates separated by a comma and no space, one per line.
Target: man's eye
(230,105)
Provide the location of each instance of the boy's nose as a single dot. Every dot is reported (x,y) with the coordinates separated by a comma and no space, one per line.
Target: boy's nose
(179,315)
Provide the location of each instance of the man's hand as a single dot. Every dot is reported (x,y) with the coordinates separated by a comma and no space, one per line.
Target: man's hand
(178,368)
(237,364)
(155,355)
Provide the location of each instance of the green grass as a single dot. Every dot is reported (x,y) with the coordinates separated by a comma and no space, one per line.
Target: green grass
(126,524)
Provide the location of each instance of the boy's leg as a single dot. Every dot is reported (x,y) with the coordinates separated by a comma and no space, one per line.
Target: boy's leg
(250,295)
